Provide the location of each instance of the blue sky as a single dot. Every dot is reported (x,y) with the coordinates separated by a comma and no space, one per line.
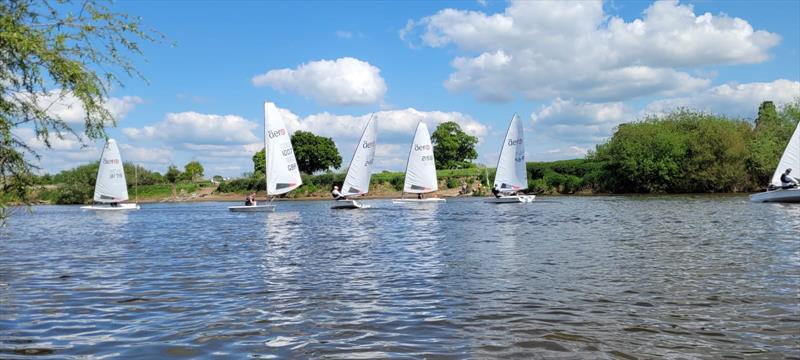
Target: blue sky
(572,71)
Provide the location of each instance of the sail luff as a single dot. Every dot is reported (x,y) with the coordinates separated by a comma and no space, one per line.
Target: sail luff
(110,185)
(511,173)
(283,174)
(420,175)
(359,170)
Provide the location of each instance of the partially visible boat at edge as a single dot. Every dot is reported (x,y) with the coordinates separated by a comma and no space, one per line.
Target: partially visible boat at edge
(420,169)
(283,174)
(511,175)
(789,160)
(110,188)
(360,169)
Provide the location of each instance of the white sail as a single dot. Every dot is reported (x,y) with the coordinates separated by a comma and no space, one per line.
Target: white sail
(421,167)
(360,170)
(790,158)
(511,174)
(283,175)
(110,186)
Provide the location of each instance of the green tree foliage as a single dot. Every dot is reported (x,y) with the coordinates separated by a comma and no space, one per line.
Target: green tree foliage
(772,131)
(452,147)
(77,184)
(315,153)
(136,174)
(688,151)
(193,170)
(51,50)
(260,162)
(173,174)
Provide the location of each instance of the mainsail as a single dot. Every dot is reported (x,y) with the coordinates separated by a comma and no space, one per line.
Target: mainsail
(790,158)
(110,186)
(283,174)
(360,169)
(511,174)
(421,167)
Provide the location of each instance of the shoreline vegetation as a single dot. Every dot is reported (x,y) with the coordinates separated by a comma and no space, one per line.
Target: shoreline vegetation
(683,152)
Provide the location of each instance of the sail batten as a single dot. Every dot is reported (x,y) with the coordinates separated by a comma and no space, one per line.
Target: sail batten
(511,174)
(360,169)
(283,174)
(790,158)
(110,185)
(421,167)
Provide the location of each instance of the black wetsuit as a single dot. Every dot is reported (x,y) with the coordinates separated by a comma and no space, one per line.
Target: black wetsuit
(787,181)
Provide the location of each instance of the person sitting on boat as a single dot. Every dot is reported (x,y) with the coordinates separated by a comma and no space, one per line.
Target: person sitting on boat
(419,196)
(788,182)
(114,204)
(496,192)
(336,194)
(250,200)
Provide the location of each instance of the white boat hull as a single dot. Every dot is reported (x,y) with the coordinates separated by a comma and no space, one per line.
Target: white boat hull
(418,201)
(349,204)
(512,199)
(780,195)
(120,207)
(251,208)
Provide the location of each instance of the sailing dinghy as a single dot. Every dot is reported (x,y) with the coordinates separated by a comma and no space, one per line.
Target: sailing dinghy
(420,169)
(789,160)
(511,175)
(283,175)
(110,189)
(360,170)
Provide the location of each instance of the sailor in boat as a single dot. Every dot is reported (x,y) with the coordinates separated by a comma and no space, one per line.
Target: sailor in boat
(336,194)
(788,182)
(114,204)
(496,192)
(250,200)
(419,196)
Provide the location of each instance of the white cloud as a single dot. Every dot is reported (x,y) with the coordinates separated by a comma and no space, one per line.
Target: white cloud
(342,34)
(568,152)
(572,49)
(395,129)
(583,123)
(344,81)
(146,155)
(390,122)
(69,108)
(738,100)
(196,128)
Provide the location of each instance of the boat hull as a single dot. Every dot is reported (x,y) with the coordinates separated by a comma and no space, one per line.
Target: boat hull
(257,208)
(781,195)
(419,201)
(121,207)
(513,199)
(349,204)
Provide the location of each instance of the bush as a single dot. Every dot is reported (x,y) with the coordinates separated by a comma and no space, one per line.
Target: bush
(453,183)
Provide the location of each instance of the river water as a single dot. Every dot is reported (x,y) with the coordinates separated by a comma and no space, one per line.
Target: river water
(564,277)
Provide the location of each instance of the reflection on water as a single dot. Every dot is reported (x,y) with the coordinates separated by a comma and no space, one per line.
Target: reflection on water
(600,277)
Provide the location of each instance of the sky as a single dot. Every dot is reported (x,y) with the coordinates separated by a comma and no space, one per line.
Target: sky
(571,70)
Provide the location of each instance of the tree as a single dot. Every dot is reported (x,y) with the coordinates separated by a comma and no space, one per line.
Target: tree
(173,174)
(193,170)
(452,147)
(56,51)
(260,162)
(767,115)
(313,153)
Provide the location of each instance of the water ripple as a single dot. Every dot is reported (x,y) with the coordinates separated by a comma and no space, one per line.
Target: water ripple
(600,277)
